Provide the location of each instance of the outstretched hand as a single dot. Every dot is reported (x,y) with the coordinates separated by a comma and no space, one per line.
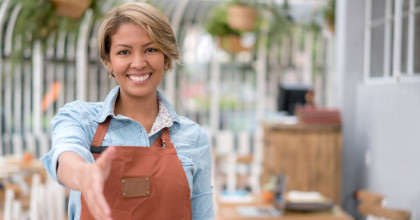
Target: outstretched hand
(93,185)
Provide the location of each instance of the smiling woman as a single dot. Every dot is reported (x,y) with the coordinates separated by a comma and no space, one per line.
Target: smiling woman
(158,158)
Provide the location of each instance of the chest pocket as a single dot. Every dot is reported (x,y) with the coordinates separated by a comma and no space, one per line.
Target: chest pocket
(189,168)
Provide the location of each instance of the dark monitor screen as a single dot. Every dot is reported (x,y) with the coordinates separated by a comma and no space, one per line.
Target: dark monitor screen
(290,96)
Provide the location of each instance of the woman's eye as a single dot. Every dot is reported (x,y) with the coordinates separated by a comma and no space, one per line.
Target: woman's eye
(123,52)
(149,50)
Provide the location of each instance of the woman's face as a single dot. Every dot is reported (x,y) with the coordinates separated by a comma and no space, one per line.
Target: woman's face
(135,61)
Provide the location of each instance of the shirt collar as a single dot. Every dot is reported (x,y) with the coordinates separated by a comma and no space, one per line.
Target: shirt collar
(163,119)
(109,103)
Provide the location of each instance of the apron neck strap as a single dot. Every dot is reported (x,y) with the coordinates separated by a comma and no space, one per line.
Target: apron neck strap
(100,132)
(165,135)
(103,127)
(163,140)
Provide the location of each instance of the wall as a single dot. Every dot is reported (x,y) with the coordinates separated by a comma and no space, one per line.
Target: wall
(381,124)
(387,129)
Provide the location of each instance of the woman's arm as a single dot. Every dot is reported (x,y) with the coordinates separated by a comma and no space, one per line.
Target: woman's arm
(88,178)
(202,196)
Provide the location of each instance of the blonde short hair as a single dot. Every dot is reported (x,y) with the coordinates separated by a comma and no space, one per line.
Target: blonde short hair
(151,19)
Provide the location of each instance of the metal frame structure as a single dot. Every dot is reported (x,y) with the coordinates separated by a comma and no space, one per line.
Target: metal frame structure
(72,61)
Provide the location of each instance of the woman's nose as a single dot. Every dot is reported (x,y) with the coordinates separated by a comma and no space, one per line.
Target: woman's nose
(139,61)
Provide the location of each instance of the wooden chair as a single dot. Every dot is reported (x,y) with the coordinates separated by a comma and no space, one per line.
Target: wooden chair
(236,169)
(45,200)
(372,206)
(12,207)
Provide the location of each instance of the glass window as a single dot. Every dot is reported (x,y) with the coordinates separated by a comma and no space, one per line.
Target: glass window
(392,7)
(406,5)
(378,9)
(377,51)
(382,47)
(404,44)
(417,44)
(391,48)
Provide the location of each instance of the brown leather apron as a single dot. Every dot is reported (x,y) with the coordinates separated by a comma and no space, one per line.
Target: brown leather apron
(144,182)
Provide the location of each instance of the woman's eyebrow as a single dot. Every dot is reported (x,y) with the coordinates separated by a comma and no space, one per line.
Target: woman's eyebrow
(147,44)
(123,45)
(126,45)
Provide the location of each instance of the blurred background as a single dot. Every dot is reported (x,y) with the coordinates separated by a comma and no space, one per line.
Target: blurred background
(324,92)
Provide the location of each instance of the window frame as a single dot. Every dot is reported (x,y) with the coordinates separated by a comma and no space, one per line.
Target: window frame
(395,17)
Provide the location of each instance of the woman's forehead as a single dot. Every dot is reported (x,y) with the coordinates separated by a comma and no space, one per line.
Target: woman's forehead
(129,32)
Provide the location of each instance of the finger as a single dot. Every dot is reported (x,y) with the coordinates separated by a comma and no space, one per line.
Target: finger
(93,192)
(103,205)
(99,198)
(100,208)
(98,195)
(105,160)
(108,155)
(98,204)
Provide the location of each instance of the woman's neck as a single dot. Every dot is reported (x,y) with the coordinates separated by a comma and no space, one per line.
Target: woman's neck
(143,110)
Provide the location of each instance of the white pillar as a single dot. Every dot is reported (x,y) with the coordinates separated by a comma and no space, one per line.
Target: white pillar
(82,57)
(38,67)
(215,92)
(170,81)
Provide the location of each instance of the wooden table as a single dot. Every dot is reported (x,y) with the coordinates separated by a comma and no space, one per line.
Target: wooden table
(15,173)
(229,211)
(10,166)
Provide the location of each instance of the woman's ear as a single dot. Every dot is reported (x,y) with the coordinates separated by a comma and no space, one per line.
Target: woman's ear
(109,65)
(165,61)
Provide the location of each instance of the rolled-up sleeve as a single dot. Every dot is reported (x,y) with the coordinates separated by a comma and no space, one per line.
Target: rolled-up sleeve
(68,134)
(202,196)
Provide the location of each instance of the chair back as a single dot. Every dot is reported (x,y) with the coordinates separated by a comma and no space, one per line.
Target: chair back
(372,206)
(12,207)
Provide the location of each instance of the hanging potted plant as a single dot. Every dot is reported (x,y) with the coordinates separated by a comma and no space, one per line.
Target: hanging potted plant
(241,16)
(228,38)
(71,8)
(329,15)
(42,19)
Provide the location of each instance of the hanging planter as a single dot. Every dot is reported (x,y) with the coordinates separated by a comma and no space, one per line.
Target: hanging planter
(232,44)
(329,15)
(330,25)
(41,20)
(242,17)
(71,8)
(228,38)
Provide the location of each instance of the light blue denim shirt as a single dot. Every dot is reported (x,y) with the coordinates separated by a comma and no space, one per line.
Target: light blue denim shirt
(75,124)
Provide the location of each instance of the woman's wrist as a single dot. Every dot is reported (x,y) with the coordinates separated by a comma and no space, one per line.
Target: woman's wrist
(72,170)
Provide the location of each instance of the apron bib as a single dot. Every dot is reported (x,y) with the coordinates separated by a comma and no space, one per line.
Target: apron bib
(144,182)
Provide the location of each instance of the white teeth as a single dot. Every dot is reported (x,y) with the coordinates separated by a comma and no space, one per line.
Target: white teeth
(139,78)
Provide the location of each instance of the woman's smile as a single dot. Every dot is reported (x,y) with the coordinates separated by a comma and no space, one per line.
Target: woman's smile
(143,78)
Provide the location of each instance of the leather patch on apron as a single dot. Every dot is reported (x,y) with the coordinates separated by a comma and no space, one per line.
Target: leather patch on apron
(135,187)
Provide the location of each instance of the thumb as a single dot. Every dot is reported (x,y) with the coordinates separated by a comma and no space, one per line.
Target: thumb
(104,161)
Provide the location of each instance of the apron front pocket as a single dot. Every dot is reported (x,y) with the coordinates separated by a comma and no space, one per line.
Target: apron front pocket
(135,187)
